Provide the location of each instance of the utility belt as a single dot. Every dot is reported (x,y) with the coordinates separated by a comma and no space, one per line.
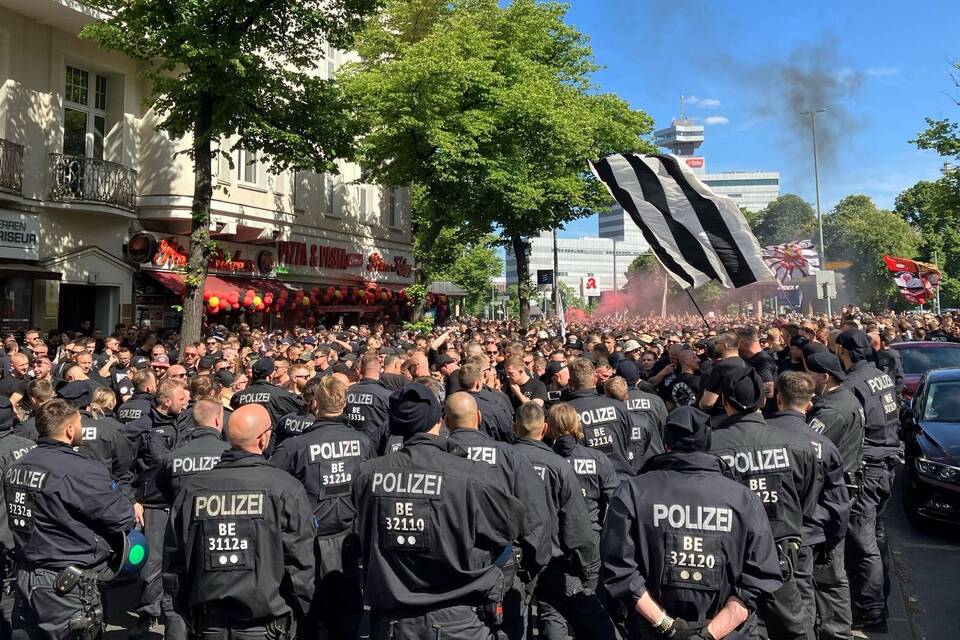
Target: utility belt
(788,551)
(215,626)
(88,624)
(854,481)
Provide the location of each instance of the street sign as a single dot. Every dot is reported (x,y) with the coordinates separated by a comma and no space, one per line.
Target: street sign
(544,276)
(826,285)
(838,265)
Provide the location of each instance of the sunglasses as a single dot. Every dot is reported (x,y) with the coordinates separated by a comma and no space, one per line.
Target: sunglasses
(189,353)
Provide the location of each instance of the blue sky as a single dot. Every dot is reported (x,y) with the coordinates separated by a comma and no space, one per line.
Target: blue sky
(879,67)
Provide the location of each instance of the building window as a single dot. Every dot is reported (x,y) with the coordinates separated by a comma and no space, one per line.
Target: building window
(392,217)
(331,57)
(84,113)
(329,192)
(744,182)
(247,166)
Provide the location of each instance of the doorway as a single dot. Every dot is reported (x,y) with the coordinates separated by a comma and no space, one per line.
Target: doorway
(78,302)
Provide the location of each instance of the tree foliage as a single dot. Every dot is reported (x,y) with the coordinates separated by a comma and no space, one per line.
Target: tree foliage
(867,233)
(933,209)
(249,70)
(491,111)
(474,269)
(786,219)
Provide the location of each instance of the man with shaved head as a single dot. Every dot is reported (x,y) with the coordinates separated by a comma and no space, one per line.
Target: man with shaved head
(517,477)
(238,555)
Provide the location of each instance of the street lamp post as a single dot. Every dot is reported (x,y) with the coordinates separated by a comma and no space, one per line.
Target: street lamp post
(816,176)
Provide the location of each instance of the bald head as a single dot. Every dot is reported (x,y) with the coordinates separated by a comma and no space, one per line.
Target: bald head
(249,428)
(460,412)
(176,371)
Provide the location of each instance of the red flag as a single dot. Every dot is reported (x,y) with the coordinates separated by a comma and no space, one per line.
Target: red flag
(916,280)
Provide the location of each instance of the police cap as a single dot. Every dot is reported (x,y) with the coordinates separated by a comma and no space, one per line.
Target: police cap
(687,430)
(262,368)
(6,414)
(413,409)
(856,343)
(743,388)
(76,393)
(825,362)
(627,369)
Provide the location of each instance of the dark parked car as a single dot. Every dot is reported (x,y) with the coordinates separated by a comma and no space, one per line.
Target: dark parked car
(931,434)
(920,357)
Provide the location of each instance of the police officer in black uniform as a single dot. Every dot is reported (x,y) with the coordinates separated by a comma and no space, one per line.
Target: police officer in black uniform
(606,424)
(140,403)
(647,415)
(296,423)
(60,505)
(836,414)
(200,450)
(687,552)
(566,589)
(867,558)
(517,477)
(325,458)
(780,467)
(435,531)
(104,439)
(238,555)
(368,403)
(496,421)
(154,435)
(12,448)
(825,529)
(276,400)
(598,479)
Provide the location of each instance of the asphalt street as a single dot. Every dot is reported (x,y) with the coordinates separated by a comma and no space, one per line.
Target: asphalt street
(924,602)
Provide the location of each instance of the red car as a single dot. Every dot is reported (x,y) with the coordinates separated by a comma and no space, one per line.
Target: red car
(920,357)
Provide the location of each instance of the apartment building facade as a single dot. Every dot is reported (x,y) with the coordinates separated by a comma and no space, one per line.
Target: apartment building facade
(84,172)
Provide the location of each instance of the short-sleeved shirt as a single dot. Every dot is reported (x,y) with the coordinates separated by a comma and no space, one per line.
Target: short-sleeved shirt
(532,389)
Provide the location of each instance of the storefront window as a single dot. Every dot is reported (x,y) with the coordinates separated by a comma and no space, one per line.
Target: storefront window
(17,299)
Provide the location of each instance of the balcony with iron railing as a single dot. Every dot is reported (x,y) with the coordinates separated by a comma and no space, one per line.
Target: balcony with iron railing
(11,166)
(80,179)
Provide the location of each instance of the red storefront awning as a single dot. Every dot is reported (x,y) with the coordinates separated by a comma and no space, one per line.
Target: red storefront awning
(221,285)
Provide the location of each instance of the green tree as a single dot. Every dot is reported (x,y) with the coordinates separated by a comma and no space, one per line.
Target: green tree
(786,219)
(246,69)
(570,298)
(478,263)
(866,234)
(492,113)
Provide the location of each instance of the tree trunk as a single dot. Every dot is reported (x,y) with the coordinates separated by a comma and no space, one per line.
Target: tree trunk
(520,246)
(199,227)
(423,262)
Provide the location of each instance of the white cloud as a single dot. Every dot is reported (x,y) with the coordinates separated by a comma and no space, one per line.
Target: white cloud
(716,120)
(883,72)
(705,103)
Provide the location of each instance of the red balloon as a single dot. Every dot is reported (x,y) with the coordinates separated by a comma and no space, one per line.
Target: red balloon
(315,291)
(206,295)
(235,306)
(403,294)
(224,304)
(213,310)
(234,297)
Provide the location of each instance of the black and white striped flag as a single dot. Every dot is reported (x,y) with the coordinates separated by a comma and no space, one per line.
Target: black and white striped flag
(696,234)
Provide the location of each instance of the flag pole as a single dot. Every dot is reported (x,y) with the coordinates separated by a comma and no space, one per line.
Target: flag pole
(698,308)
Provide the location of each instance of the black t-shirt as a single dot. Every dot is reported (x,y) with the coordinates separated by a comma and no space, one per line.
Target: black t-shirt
(10,385)
(531,389)
(681,389)
(764,364)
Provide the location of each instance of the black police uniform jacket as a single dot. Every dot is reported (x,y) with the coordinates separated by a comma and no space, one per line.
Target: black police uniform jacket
(598,479)
(12,448)
(240,542)
(689,535)
(779,466)
(103,439)
(277,401)
(430,525)
(61,505)
(200,451)
(495,421)
(838,415)
(291,426)
(573,543)
(828,524)
(136,408)
(153,436)
(881,411)
(648,414)
(325,459)
(517,477)
(606,426)
(368,411)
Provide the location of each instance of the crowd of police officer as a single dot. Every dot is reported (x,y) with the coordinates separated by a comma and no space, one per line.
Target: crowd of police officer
(443,507)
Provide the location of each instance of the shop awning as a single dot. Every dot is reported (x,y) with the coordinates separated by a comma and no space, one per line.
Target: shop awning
(174,282)
(27,271)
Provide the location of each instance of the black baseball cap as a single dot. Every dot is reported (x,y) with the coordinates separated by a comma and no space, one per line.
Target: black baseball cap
(553,368)
(825,362)
(442,361)
(262,368)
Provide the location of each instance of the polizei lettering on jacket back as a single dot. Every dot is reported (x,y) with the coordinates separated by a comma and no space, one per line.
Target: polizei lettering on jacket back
(194,464)
(596,416)
(232,504)
(698,517)
(334,450)
(26,478)
(758,460)
(407,482)
(248,398)
(879,383)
